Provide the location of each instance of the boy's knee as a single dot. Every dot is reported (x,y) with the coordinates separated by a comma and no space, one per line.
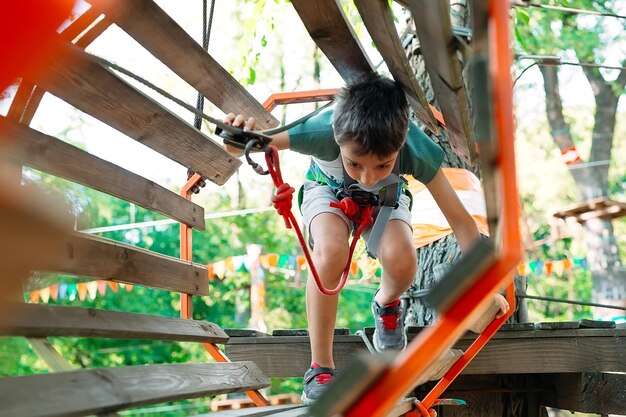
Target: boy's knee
(330,256)
(400,264)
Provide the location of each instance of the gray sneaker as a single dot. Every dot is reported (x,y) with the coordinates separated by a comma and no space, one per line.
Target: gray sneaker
(316,380)
(389,331)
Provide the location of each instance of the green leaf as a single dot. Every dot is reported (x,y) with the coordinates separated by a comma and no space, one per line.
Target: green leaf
(251,76)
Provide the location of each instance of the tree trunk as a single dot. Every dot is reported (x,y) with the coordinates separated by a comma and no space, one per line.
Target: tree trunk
(609,275)
(435,259)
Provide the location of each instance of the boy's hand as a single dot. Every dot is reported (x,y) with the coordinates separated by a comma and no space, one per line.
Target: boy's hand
(501,302)
(240,122)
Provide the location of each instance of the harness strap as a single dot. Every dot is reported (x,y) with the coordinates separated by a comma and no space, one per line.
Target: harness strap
(390,203)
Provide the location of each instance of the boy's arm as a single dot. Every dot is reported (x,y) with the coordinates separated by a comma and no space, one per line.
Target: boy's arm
(460,220)
(280,140)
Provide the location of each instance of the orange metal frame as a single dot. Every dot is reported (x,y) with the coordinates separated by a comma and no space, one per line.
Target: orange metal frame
(186,300)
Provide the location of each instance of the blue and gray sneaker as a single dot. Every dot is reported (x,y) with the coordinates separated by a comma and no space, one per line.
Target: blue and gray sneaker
(316,380)
(389,331)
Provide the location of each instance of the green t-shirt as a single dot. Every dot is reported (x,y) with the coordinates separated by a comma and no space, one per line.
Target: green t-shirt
(419,157)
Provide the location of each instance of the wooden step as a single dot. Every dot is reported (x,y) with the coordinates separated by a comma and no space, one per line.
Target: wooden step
(509,352)
(96,257)
(96,391)
(33,320)
(434,30)
(48,154)
(81,80)
(378,20)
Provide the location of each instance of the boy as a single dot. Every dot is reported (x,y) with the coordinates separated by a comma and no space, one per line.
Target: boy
(366,140)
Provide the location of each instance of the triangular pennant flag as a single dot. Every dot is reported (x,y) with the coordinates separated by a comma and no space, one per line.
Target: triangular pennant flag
(292,262)
(557,267)
(44,293)
(354,268)
(34,297)
(521,269)
(129,287)
(210,272)
(220,269)
(62,291)
(82,290)
(548,267)
(265,261)
(54,292)
(92,289)
(72,291)
(113,285)
(567,264)
(272,259)
(300,262)
(102,287)
(283,261)
(242,268)
(533,266)
(230,265)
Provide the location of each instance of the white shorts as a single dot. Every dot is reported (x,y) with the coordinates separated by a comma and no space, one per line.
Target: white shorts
(316,199)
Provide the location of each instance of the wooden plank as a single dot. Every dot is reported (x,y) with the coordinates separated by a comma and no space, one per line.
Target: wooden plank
(271,410)
(378,20)
(79,79)
(588,350)
(80,24)
(48,154)
(331,31)
(33,320)
(44,349)
(166,40)
(91,256)
(437,43)
(597,393)
(104,390)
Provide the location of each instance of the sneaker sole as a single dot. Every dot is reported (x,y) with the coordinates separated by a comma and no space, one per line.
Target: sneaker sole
(379,350)
(306,400)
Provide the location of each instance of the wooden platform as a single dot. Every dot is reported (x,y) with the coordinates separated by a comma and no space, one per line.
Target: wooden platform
(603,208)
(525,349)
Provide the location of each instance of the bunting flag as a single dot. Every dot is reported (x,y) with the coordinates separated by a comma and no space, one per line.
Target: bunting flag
(548,267)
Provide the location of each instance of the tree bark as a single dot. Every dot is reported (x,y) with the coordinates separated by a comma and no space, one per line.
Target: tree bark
(591,178)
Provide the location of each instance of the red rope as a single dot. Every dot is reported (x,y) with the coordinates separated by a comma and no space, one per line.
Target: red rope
(282,202)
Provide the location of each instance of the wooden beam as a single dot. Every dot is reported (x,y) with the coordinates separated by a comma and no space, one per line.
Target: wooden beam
(91,256)
(79,79)
(289,410)
(44,349)
(32,320)
(149,25)
(96,391)
(331,31)
(602,207)
(48,154)
(437,43)
(597,393)
(510,352)
(378,20)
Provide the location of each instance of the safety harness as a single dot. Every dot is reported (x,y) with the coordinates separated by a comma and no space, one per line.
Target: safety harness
(383,197)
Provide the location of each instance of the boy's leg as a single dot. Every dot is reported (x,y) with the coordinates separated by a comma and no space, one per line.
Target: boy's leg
(398,258)
(330,254)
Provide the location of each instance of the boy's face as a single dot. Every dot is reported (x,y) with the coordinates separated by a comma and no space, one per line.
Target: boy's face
(366,169)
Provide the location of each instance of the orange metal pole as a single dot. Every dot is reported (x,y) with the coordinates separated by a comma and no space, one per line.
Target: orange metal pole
(186,305)
(403,372)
